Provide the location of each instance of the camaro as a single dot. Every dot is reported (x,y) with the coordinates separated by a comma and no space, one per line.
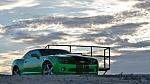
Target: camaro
(54,61)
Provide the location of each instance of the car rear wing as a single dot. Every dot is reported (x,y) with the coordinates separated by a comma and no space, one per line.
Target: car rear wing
(105,56)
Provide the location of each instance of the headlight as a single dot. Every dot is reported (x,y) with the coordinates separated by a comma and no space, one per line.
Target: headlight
(63,60)
(94,61)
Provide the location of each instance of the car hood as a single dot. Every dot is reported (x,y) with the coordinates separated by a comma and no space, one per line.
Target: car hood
(72,55)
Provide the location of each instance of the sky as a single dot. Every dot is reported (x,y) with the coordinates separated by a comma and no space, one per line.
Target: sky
(123,25)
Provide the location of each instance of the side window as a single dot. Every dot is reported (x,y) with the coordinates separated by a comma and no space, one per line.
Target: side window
(35,52)
(28,54)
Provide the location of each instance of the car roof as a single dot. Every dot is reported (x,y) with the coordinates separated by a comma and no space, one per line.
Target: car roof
(47,49)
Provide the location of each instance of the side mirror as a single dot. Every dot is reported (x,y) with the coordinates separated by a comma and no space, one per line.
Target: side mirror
(35,55)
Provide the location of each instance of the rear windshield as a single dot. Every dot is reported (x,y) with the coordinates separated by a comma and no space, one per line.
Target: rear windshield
(45,52)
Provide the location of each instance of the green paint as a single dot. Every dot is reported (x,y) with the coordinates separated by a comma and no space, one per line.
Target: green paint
(62,64)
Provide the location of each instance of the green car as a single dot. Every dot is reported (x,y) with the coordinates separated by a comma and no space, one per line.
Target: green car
(54,61)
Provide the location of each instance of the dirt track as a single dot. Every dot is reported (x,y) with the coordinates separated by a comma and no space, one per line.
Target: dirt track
(75,79)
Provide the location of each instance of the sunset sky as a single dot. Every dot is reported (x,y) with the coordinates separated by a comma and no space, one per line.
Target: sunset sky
(123,25)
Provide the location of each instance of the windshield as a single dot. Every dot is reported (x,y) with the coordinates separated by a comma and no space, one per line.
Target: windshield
(45,52)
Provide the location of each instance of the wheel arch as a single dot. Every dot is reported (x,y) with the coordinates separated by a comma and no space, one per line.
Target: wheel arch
(18,63)
(15,66)
(47,61)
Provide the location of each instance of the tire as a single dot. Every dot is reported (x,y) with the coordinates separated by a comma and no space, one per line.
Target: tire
(16,71)
(47,69)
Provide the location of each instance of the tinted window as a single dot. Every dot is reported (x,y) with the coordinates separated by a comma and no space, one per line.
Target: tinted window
(27,55)
(45,52)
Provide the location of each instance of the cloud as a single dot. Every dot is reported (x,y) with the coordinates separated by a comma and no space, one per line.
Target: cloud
(42,29)
(66,21)
(60,29)
(1,29)
(113,34)
(34,37)
(130,16)
(88,8)
(126,28)
(135,49)
(145,4)
(11,4)
(132,62)
(3,2)
(87,21)
(40,39)
(6,60)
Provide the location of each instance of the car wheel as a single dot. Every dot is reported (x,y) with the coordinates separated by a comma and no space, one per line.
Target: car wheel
(47,69)
(16,71)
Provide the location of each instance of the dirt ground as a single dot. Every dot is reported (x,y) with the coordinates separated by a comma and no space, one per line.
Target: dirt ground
(75,79)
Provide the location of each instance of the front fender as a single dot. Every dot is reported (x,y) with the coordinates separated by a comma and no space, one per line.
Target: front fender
(52,59)
(19,63)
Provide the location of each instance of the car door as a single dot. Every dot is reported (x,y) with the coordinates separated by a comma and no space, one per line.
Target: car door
(26,65)
(32,64)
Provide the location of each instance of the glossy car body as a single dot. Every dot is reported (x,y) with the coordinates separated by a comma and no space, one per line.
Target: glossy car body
(62,62)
